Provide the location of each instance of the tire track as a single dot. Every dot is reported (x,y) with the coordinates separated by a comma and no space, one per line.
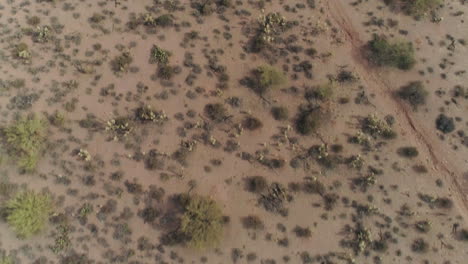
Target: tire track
(374,81)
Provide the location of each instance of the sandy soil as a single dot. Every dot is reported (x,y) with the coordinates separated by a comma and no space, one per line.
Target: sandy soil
(387,210)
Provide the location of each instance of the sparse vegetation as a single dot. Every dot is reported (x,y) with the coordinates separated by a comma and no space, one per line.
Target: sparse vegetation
(253,222)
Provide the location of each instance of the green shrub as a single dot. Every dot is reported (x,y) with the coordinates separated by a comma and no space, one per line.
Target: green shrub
(320,92)
(415,8)
(164,20)
(166,72)
(28,213)
(159,55)
(25,140)
(6,260)
(384,53)
(445,124)
(202,222)
(268,77)
(414,93)
(375,127)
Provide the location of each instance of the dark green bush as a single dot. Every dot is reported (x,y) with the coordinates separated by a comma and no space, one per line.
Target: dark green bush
(253,222)
(256,184)
(216,112)
(415,8)
(251,123)
(303,232)
(445,124)
(309,121)
(420,246)
(280,113)
(121,62)
(164,20)
(25,141)
(463,235)
(414,93)
(408,152)
(383,53)
(320,92)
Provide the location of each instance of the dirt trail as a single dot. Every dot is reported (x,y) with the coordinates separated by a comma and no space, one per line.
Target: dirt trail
(379,85)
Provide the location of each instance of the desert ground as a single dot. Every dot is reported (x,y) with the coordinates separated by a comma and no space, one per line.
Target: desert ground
(217,131)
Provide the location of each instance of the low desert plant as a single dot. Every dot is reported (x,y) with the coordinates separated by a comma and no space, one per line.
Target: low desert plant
(375,127)
(420,246)
(445,124)
(22,51)
(165,20)
(122,62)
(280,113)
(423,226)
(320,92)
(309,120)
(216,112)
(408,152)
(25,140)
(159,55)
(416,8)
(414,93)
(267,77)
(382,52)
(119,127)
(463,235)
(165,71)
(253,222)
(256,184)
(252,123)
(201,222)
(303,232)
(28,213)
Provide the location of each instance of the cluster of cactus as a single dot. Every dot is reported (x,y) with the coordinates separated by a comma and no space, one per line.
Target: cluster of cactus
(159,55)
(84,155)
(270,24)
(119,127)
(146,114)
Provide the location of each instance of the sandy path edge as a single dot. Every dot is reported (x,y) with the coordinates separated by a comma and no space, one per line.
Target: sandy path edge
(378,84)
